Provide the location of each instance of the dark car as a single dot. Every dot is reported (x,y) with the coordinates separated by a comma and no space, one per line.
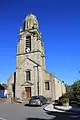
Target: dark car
(37,100)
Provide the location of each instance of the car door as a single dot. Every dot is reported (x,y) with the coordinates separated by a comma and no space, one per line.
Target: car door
(42,99)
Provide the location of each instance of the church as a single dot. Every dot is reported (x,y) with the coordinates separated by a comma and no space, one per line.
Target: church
(31,77)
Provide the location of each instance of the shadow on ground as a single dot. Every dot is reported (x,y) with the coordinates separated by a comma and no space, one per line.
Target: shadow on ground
(37,119)
(59,116)
(64,116)
(56,118)
(31,105)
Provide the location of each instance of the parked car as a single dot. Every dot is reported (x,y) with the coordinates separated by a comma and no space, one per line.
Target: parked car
(37,100)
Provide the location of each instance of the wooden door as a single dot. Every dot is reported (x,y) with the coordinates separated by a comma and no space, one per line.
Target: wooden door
(28,92)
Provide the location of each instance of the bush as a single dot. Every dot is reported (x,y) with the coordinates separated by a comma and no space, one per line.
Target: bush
(64,99)
(78,98)
(66,95)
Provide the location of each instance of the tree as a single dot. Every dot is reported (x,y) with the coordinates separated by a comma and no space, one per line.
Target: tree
(70,93)
(76,90)
(73,91)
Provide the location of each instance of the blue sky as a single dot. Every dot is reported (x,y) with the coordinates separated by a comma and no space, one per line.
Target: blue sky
(59,22)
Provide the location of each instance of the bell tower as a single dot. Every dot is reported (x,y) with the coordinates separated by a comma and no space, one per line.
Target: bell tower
(30,53)
(30,40)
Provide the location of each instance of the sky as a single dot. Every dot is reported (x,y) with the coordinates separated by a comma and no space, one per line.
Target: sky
(59,22)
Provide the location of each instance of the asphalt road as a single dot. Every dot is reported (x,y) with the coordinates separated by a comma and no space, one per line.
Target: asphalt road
(20,112)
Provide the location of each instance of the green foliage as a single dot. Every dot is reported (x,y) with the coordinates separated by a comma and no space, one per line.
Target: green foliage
(64,99)
(66,95)
(74,91)
(71,96)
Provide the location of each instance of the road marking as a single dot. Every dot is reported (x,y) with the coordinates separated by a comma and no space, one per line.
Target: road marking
(2,118)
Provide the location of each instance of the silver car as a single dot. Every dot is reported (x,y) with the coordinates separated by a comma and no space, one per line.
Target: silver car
(37,100)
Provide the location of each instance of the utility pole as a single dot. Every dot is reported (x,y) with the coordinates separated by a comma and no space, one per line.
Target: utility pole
(37,65)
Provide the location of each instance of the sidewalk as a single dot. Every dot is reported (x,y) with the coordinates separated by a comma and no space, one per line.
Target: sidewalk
(61,109)
(51,108)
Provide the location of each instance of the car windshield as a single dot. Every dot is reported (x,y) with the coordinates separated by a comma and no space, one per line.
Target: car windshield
(41,97)
(34,97)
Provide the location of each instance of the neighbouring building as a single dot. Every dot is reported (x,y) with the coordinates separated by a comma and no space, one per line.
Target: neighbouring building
(1,91)
(31,77)
(5,89)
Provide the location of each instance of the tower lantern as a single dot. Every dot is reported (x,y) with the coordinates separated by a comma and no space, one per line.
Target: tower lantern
(30,22)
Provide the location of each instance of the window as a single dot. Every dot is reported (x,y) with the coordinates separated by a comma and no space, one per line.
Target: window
(28,42)
(47,86)
(28,77)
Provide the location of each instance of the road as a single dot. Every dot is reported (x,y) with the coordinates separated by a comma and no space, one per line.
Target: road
(11,111)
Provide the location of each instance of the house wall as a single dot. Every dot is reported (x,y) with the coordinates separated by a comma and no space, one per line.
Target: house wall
(1,93)
(46,78)
(57,88)
(63,88)
(5,92)
(21,78)
(9,86)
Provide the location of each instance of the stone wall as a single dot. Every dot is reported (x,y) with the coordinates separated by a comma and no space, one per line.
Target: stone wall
(9,86)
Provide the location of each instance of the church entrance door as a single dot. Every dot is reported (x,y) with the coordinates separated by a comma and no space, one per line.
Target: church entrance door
(28,92)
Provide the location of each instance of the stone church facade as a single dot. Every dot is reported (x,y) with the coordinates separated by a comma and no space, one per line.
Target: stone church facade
(31,77)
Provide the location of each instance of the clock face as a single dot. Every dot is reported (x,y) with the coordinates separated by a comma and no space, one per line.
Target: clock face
(28,50)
